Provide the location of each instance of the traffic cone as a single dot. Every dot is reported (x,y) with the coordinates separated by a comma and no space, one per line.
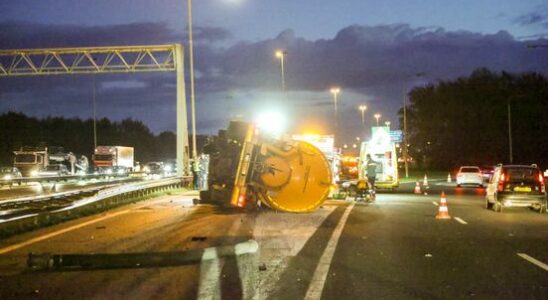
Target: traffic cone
(449,177)
(425,181)
(443,211)
(418,188)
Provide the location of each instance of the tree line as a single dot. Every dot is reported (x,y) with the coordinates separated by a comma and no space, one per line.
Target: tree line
(466,121)
(76,135)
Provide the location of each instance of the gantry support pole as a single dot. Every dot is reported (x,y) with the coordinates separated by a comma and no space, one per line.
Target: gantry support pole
(183,165)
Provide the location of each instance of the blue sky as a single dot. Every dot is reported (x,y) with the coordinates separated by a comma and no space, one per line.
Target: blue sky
(372,49)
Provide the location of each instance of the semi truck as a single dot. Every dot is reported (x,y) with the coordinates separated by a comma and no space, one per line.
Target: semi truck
(113,159)
(247,170)
(30,160)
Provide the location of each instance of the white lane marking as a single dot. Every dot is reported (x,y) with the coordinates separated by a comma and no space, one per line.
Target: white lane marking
(59,232)
(460,220)
(532,260)
(435,203)
(317,283)
(210,275)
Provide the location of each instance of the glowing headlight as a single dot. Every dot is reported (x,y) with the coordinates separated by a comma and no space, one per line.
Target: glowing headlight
(167,168)
(146,169)
(7,177)
(121,172)
(34,173)
(108,171)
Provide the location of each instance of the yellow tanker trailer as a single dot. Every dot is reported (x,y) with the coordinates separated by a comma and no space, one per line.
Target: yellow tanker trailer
(248,171)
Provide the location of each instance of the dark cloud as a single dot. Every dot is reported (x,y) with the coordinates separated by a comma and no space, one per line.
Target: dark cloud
(372,64)
(539,17)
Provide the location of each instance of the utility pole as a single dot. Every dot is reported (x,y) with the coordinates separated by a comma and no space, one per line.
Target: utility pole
(192,98)
(509,131)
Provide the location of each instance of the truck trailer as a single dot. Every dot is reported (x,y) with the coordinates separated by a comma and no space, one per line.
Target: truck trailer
(108,158)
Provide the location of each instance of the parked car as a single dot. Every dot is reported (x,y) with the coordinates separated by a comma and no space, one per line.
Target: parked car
(487,172)
(469,175)
(52,170)
(154,168)
(8,173)
(516,186)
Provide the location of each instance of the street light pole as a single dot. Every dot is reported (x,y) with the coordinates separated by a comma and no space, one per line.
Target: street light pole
(363,108)
(192,98)
(509,131)
(94,117)
(405,153)
(335,91)
(281,55)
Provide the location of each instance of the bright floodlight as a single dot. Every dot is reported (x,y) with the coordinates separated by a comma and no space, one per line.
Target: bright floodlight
(279,54)
(335,90)
(363,107)
(271,122)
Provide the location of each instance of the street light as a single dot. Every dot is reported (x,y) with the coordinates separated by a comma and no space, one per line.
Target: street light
(281,55)
(363,108)
(377,116)
(192,98)
(387,123)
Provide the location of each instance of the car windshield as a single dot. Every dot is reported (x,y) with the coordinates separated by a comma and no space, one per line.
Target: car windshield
(469,170)
(522,174)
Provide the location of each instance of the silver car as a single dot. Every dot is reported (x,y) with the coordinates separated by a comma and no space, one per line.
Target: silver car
(516,186)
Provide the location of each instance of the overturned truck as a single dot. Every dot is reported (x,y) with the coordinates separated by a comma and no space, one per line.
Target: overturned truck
(250,170)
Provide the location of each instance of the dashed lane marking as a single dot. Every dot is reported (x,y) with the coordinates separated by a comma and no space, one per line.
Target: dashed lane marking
(317,283)
(435,203)
(59,232)
(534,261)
(460,220)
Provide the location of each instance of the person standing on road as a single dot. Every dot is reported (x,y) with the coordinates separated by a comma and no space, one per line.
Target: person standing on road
(370,172)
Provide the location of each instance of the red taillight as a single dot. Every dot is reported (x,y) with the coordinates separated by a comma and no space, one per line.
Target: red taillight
(502,180)
(540,178)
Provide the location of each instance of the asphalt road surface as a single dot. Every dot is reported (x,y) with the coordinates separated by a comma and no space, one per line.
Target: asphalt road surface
(394,248)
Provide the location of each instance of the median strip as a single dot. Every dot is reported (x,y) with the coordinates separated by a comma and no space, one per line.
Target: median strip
(534,261)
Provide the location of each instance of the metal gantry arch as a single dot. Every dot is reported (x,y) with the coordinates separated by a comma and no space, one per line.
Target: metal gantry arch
(102,60)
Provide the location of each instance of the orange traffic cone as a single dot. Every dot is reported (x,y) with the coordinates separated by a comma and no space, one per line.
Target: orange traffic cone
(449,177)
(443,211)
(418,188)
(425,181)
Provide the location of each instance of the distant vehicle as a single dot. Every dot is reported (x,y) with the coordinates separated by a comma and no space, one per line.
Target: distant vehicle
(154,168)
(52,170)
(9,173)
(105,158)
(469,175)
(516,186)
(383,151)
(33,159)
(487,172)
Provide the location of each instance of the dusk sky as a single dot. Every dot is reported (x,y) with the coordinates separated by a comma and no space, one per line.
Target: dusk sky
(371,49)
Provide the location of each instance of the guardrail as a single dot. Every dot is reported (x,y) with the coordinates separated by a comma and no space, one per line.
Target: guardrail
(62,178)
(103,199)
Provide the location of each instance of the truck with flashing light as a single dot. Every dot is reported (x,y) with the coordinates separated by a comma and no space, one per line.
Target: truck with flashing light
(109,159)
(382,149)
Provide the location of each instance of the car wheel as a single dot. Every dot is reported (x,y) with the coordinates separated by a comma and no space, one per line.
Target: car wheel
(458,185)
(480,186)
